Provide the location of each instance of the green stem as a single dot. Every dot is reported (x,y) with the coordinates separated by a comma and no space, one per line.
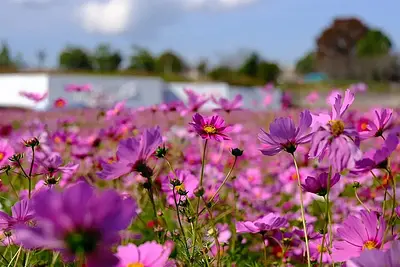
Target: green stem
(359,200)
(303,218)
(179,220)
(203,163)
(264,249)
(393,179)
(225,180)
(215,233)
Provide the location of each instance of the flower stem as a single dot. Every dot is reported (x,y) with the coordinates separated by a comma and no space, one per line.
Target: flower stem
(359,200)
(203,163)
(264,249)
(393,179)
(179,219)
(225,180)
(215,233)
(303,218)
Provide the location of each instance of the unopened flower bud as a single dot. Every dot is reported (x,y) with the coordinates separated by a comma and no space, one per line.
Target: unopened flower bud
(356,185)
(16,157)
(237,152)
(32,142)
(199,192)
(175,182)
(160,213)
(161,152)
(5,169)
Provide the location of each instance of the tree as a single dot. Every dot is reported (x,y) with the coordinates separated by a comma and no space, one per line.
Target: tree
(41,56)
(5,56)
(202,67)
(75,58)
(336,47)
(142,60)
(374,43)
(268,71)
(104,59)
(169,62)
(250,65)
(306,64)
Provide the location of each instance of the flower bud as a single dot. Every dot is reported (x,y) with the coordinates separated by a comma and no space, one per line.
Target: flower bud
(161,152)
(237,152)
(16,157)
(199,192)
(32,142)
(356,185)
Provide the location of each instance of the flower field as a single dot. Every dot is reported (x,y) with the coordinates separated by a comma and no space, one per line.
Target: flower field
(173,185)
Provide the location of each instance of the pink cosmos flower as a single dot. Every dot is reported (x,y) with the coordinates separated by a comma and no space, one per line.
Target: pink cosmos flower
(210,127)
(79,221)
(6,151)
(285,136)
(373,258)
(227,105)
(319,185)
(132,155)
(116,110)
(150,254)
(334,137)
(312,97)
(60,103)
(189,183)
(36,97)
(195,101)
(383,121)
(356,234)
(52,165)
(267,223)
(78,88)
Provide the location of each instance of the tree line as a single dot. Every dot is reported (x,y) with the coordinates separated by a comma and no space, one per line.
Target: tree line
(346,49)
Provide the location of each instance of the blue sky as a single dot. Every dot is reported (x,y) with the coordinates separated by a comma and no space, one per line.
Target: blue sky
(280,30)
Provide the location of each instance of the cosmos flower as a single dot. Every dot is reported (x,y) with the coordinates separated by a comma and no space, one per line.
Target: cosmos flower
(132,154)
(268,222)
(285,136)
(36,97)
(376,159)
(228,106)
(188,181)
(78,88)
(52,165)
(356,234)
(21,214)
(372,258)
(116,110)
(382,122)
(6,151)
(60,103)
(319,185)
(195,101)
(210,127)
(149,254)
(334,138)
(79,221)
(312,97)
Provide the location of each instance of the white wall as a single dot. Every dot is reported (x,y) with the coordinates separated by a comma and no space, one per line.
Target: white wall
(12,84)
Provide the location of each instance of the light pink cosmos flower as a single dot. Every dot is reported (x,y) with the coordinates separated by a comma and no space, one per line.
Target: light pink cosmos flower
(312,97)
(228,106)
(36,97)
(269,222)
(78,88)
(195,101)
(116,110)
(210,127)
(150,254)
(6,151)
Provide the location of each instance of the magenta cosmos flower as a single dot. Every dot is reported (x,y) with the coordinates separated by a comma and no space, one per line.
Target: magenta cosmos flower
(284,135)
(373,258)
(195,101)
(79,221)
(36,97)
(228,106)
(133,154)
(334,137)
(21,214)
(6,151)
(269,222)
(52,165)
(150,254)
(357,234)
(319,185)
(210,127)
(382,122)
(116,110)
(78,88)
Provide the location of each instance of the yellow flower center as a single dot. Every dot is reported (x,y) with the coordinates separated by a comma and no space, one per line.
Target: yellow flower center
(294,177)
(2,155)
(137,264)
(57,140)
(180,187)
(337,127)
(210,129)
(320,249)
(369,245)
(364,126)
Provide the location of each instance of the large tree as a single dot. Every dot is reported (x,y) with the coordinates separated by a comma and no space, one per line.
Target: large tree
(250,65)
(142,60)
(374,43)
(306,64)
(105,59)
(5,56)
(75,58)
(170,62)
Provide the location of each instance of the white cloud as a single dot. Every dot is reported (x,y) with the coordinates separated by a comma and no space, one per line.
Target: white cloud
(118,16)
